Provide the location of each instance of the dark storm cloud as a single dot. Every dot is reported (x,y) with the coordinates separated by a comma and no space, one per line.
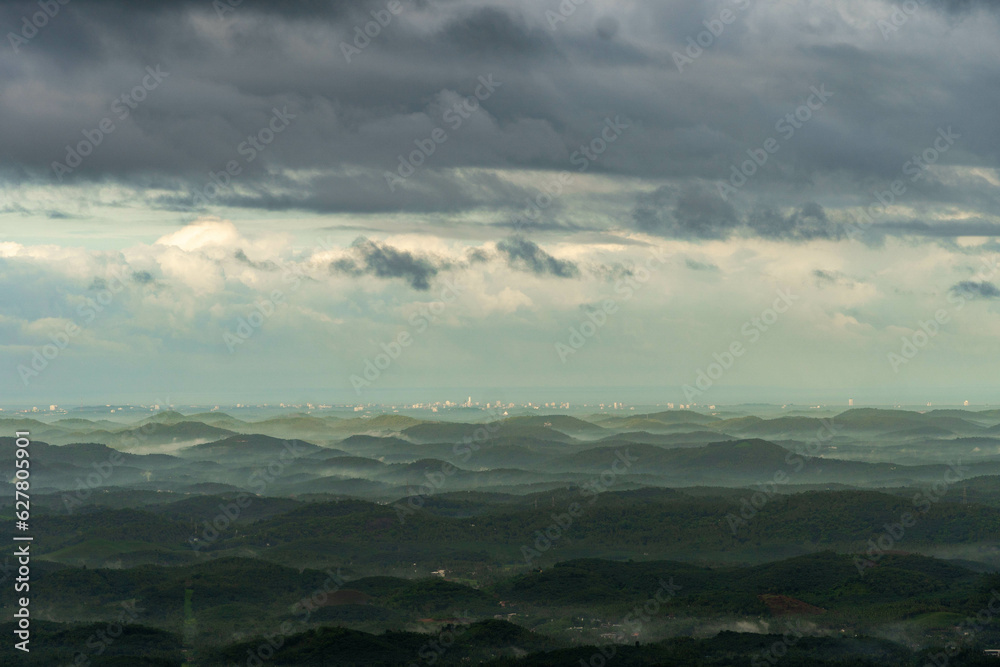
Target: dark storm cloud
(93,15)
(805,223)
(358,193)
(976,290)
(496,31)
(965,6)
(383,261)
(86,32)
(310,8)
(520,224)
(355,118)
(695,212)
(701,213)
(612,272)
(525,255)
(698,212)
(950,229)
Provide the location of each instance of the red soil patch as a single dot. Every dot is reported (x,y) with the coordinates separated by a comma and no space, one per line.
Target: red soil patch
(781,605)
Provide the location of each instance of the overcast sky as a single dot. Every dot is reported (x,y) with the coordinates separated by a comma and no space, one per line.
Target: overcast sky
(166,168)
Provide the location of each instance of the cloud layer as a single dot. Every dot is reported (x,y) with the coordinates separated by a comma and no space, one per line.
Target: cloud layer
(528,159)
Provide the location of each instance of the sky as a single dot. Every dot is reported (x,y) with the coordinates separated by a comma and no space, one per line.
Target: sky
(698,202)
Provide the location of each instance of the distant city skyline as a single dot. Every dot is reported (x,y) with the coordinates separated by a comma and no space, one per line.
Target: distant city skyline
(556,406)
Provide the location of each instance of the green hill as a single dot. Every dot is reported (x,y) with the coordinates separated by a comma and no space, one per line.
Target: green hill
(253,447)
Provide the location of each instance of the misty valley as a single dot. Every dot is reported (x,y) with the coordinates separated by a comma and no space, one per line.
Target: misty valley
(510,536)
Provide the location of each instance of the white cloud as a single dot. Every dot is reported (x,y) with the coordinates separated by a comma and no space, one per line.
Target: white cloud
(211,233)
